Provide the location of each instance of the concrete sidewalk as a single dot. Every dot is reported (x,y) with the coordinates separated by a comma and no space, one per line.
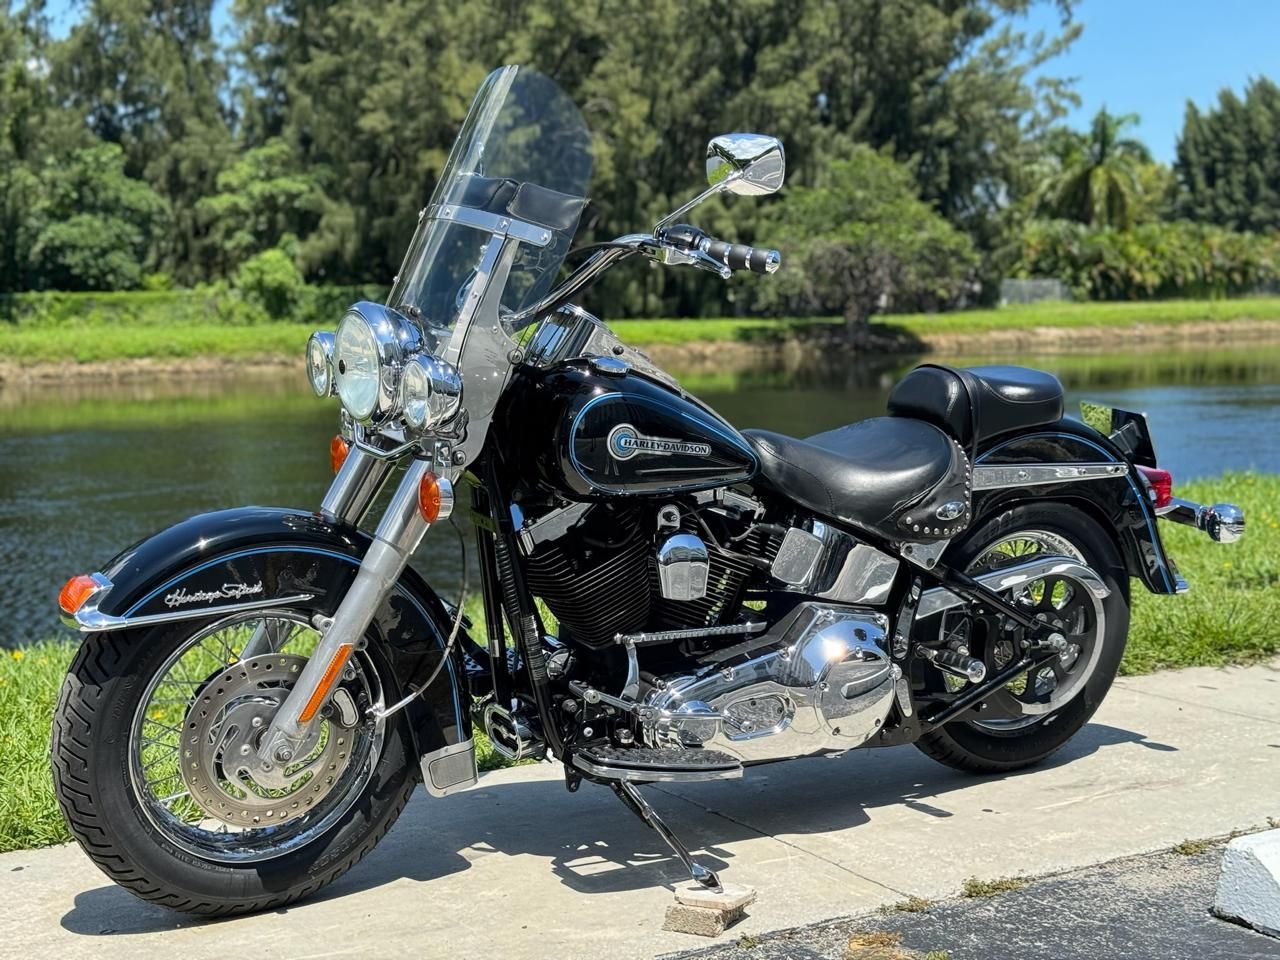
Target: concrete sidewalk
(518,868)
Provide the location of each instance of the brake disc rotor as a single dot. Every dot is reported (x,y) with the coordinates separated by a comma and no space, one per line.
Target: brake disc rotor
(220,737)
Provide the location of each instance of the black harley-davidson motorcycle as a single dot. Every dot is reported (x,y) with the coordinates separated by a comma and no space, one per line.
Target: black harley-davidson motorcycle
(666,597)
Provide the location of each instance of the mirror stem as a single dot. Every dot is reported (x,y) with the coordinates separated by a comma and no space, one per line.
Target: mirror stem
(706,194)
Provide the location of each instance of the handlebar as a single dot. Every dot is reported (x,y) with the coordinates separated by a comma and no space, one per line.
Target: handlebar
(739,256)
(735,256)
(679,243)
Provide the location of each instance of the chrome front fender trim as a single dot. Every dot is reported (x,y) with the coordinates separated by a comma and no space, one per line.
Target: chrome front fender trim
(940,598)
(1004,476)
(89,619)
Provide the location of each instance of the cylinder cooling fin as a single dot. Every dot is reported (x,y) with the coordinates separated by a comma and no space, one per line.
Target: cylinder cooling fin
(601,578)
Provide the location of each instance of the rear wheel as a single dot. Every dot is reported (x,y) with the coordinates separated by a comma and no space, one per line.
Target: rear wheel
(150,738)
(1039,711)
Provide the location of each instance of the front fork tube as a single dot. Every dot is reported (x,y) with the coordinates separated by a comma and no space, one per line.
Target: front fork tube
(353,490)
(398,535)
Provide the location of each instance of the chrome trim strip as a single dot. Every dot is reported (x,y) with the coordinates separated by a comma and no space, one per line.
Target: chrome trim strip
(1005,476)
(940,598)
(653,776)
(491,223)
(90,620)
(1144,503)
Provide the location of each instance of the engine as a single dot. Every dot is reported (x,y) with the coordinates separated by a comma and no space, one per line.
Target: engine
(605,569)
(671,582)
(820,680)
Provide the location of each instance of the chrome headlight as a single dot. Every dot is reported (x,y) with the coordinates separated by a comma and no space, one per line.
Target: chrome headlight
(320,363)
(372,347)
(430,392)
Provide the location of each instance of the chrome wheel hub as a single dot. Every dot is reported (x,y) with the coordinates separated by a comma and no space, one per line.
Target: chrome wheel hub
(194,765)
(1060,601)
(220,744)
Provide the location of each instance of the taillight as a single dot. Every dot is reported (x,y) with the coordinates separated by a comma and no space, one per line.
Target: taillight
(1161,485)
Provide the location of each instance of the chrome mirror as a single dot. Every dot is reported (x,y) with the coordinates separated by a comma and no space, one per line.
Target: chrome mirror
(747,164)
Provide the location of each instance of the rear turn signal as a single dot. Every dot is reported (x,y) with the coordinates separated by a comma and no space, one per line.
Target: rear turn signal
(76,591)
(1161,485)
(429,497)
(338,450)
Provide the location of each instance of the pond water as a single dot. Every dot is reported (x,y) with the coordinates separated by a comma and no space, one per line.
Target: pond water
(85,471)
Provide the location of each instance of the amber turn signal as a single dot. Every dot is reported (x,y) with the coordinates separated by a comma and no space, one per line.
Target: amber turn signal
(338,450)
(429,497)
(76,591)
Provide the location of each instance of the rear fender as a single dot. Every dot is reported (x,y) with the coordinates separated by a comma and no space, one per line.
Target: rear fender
(1120,503)
(255,558)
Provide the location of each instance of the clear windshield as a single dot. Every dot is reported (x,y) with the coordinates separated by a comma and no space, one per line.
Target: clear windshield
(520,170)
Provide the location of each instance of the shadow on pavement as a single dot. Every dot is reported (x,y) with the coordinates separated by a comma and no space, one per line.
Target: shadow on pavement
(537,819)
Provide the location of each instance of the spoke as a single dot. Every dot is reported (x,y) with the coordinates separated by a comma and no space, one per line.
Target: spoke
(152,742)
(163,726)
(161,759)
(173,796)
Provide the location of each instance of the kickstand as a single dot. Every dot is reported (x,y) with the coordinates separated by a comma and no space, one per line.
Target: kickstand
(637,804)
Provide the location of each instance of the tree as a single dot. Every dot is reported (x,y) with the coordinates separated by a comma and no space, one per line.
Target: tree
(1098,180)
(864,242)
(93,227)
(260,198)
(1228,163)
(147,75)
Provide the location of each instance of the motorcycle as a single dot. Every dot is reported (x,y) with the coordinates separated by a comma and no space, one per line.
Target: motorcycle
(666,598)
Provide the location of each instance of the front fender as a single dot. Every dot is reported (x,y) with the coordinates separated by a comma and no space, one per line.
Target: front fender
(1120,503)
(257,557)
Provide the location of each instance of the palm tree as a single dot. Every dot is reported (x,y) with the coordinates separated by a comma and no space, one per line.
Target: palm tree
(1096,181)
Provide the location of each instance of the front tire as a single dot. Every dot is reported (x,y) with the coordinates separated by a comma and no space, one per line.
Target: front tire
(95,758)
(968,745)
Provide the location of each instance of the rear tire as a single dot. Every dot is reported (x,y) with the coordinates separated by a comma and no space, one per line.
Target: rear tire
(91,759)
(965,746)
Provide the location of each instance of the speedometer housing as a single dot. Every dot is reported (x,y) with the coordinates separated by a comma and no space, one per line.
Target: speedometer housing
(373,345)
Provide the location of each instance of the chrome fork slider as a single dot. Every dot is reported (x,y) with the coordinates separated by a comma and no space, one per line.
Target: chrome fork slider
(398,535)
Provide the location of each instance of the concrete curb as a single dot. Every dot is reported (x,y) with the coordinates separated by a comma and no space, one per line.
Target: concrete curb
(1249,885)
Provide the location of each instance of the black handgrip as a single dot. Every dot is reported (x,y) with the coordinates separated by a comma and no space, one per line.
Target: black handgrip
(739,256)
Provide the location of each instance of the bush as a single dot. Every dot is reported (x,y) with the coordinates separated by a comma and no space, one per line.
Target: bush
(863,242)
(272,281)
(1153,260)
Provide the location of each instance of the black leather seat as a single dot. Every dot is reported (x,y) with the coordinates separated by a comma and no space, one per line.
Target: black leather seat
(976,403)
(902,479)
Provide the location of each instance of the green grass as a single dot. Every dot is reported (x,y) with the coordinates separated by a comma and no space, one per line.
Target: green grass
(181,324)
(973,887)
(1231,615)
(28,345)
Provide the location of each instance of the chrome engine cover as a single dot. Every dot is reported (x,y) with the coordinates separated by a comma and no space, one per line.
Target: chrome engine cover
(820,680)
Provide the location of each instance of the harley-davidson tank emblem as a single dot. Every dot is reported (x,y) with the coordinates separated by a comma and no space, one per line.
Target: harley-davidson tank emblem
(625,441)
(228,591)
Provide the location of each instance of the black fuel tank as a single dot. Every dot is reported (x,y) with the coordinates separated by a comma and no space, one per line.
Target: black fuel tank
(593,434)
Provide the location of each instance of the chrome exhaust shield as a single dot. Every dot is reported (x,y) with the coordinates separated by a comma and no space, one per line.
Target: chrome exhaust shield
(1009,578)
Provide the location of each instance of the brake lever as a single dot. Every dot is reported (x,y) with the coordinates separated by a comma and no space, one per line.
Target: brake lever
(662,250)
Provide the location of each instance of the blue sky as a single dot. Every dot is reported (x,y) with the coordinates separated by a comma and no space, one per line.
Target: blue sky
(1150,57)
(1136,56)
